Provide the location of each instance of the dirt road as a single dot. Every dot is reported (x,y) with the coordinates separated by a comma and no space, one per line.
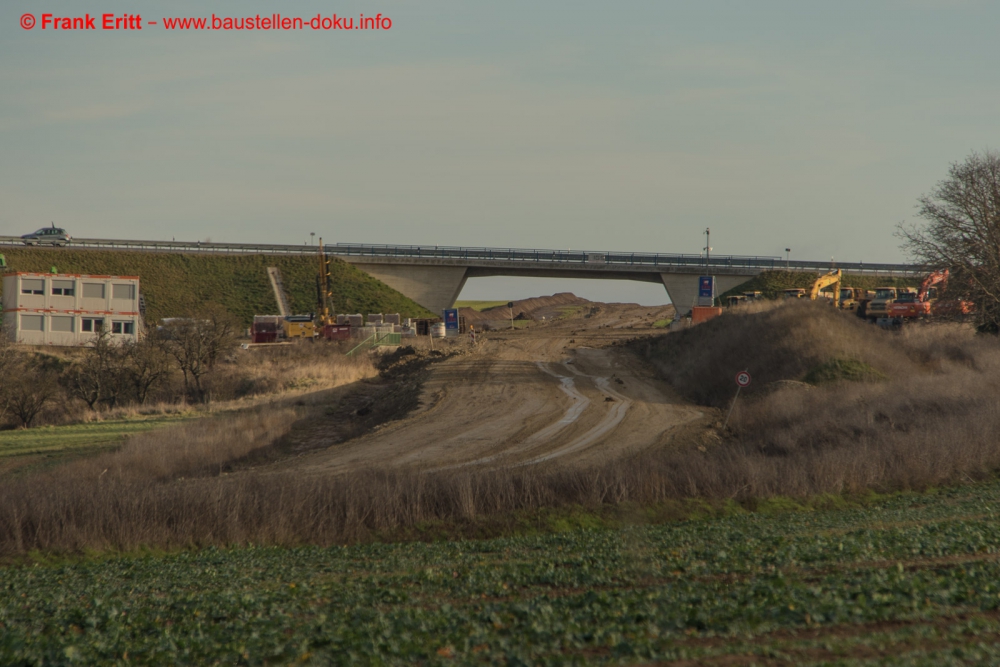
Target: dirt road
(556,392)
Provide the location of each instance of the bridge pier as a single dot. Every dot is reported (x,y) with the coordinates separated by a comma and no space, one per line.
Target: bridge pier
(433,287)
(683,288)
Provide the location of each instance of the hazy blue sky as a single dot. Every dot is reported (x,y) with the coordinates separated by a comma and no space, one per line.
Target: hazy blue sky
(628,125)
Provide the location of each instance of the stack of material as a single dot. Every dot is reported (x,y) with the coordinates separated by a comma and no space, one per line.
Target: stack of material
(374,319)
(356,320)
(265,328)
(392,318)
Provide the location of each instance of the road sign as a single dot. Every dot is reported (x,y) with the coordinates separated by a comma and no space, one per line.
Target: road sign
(451,321)
(706,291)
(743,379)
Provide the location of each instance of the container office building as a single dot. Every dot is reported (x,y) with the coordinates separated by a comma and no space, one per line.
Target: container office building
(69,309)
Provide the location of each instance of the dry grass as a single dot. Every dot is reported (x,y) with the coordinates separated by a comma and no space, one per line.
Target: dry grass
(932,420)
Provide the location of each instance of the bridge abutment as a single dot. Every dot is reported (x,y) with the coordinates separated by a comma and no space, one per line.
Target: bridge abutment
(683,288)
(433,287)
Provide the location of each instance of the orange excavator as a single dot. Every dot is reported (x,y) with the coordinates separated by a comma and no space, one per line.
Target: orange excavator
(911,306)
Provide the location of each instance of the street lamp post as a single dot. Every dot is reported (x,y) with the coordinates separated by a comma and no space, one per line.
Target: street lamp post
(312,235)
(788,251)
(708,246)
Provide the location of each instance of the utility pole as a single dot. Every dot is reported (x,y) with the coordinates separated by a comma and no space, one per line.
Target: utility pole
(708,246)
(788,252)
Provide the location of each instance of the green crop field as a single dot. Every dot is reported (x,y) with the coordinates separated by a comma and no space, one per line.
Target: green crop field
(903,580)
(174,284)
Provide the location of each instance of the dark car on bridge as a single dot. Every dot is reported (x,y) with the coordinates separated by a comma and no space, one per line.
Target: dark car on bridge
(53,235)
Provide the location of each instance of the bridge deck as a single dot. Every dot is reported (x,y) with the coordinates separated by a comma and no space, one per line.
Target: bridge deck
(599,261)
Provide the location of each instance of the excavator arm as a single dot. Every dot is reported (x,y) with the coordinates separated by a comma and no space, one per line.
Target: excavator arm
(930,281)
(832,278)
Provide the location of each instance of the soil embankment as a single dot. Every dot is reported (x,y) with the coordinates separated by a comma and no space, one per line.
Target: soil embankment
(561,390)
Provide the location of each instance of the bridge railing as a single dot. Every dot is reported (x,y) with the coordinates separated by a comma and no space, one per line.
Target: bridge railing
(614,258)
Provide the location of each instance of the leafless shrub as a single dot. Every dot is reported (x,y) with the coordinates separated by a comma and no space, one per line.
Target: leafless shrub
(197,343)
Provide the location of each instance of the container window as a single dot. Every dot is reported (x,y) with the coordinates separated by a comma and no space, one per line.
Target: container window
(63,287)
(93,290)
(123,292)
(91,324)
(32,322)
(123,327)
(61,323)
(32,286)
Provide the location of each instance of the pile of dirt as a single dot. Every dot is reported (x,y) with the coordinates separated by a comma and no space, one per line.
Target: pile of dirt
(536,308)
(775,341)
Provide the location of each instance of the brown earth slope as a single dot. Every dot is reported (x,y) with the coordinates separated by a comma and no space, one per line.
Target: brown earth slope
(560,391)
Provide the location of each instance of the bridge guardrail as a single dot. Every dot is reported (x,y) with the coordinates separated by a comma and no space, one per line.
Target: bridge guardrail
(582,257)
(612,258)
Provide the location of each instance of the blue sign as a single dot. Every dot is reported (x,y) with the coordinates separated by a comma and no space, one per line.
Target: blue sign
(451,319)
(706,287)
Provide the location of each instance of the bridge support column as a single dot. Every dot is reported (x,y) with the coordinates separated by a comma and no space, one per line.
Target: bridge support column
(433,287)
(683,289)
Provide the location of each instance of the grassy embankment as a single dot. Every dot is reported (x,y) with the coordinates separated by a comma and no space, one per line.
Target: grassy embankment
(175,284)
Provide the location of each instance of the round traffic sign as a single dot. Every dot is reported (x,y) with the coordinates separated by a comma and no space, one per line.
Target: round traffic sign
(743,379)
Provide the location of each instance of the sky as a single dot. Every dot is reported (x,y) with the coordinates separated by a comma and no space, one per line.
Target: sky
(628,126)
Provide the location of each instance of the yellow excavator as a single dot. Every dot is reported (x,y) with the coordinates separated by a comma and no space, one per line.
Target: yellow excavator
(832,278)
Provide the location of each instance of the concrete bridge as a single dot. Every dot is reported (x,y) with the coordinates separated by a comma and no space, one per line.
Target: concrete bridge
(434,276)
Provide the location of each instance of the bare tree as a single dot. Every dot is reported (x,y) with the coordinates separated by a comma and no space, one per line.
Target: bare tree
(34,388)
(101,376)
(198,342)
(146,366)
(8,376)
(961,233)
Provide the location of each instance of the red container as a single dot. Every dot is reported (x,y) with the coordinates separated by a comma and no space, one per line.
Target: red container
(704,313)
(337,332)
(264,337)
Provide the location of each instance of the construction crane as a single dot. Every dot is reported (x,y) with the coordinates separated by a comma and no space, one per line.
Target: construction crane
(323,294)
(832,278)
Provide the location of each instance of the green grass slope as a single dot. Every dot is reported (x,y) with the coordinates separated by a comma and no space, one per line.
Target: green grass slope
(773,283)
(174,284)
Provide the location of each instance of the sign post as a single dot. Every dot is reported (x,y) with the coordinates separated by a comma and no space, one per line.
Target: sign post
(706,291)
(742,380)
(451,322)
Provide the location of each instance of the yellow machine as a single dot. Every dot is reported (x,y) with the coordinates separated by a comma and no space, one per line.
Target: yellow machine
(299,326)
(735,300)
(879,306)
(323,293)
(828,280)
(851,298)
(794,293)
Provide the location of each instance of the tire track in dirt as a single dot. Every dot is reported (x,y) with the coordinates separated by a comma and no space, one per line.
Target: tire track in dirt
(524,398)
